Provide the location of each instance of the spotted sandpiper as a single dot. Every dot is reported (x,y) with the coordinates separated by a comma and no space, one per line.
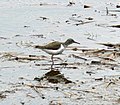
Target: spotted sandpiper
(55,48)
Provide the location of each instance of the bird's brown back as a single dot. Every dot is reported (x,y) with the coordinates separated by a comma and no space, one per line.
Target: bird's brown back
(53,46)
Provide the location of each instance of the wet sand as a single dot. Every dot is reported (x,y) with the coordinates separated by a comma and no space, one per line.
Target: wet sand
(85,74)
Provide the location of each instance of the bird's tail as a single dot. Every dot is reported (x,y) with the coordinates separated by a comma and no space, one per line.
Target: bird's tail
(38,46)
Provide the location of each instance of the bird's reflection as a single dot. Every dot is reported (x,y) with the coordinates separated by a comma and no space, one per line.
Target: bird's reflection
(54,76)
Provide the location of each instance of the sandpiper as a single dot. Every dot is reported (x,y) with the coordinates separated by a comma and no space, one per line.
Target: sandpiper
(55,48)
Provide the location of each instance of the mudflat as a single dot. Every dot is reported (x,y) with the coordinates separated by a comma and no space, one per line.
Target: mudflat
(85,74)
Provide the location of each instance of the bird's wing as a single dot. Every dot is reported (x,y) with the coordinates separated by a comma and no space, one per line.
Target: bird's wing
(53,46)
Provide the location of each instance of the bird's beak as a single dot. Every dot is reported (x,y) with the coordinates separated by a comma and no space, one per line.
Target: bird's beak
(76,42)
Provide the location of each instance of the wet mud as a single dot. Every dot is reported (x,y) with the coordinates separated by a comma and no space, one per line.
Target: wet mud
(85,74)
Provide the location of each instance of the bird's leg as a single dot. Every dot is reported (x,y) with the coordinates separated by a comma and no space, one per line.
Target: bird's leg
(52,62)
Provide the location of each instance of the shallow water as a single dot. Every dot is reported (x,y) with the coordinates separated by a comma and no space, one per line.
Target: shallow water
(22,26)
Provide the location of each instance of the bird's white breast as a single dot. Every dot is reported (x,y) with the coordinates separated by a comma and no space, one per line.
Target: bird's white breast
(55,52)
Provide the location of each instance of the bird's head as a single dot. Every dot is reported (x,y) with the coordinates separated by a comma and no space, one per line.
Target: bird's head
(70,41)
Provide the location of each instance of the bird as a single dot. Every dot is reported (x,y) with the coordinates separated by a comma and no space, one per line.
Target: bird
(56,47)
